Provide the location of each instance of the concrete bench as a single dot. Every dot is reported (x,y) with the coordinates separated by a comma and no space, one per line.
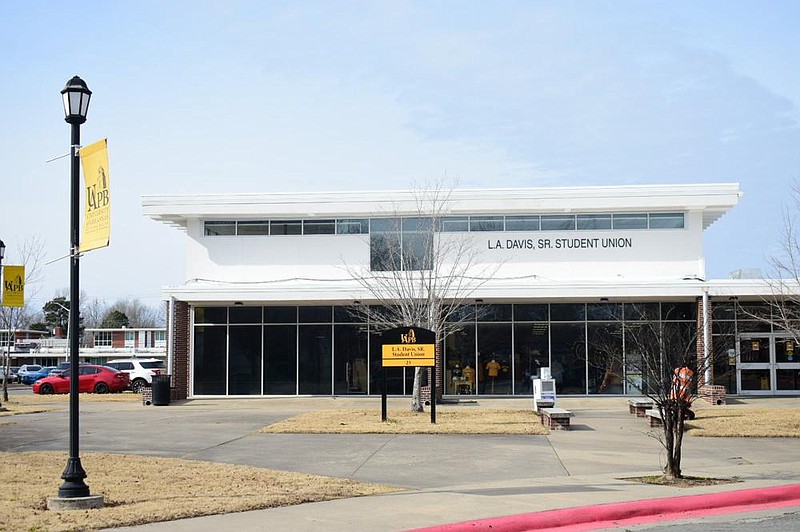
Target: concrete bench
(538,404)
(639,406)
(555,418)
(654,417)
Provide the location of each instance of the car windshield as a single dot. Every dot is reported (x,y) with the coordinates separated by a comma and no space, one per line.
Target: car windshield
(156,364)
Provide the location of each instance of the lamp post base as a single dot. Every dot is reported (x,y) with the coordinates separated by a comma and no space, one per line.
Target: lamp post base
(73,476)
(75,503)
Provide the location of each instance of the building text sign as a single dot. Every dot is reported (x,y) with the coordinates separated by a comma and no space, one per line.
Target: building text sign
(409,346)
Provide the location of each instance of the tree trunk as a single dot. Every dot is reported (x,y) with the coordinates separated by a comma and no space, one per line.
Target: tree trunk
(417,404)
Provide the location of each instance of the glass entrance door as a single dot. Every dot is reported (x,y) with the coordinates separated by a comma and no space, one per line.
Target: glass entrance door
(768,364)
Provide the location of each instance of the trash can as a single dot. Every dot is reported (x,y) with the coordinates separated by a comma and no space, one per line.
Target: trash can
(161,389)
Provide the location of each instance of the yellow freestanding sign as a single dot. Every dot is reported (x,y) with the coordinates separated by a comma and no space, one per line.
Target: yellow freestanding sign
(13,286)
(97,206)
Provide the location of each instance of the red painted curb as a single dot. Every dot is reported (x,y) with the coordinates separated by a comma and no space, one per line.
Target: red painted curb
(583,517)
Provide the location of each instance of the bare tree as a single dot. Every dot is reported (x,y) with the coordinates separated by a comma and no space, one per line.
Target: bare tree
(419,275)
(660,359)
(31,255)
(139,314)
(783,303)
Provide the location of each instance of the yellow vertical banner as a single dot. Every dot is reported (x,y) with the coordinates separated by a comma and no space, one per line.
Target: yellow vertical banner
(13,286)
(97,205)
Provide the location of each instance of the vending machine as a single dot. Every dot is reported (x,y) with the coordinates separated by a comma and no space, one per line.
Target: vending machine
(544,390)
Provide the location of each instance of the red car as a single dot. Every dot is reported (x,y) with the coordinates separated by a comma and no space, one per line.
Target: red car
(97,379)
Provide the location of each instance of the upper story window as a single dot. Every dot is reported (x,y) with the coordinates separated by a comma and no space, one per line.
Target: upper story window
(452,224)
(102,339)
(401,244)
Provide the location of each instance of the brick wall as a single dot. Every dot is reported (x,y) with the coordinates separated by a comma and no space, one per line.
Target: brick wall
(180,351)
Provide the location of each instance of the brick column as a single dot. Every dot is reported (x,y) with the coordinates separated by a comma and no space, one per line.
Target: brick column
(180,351)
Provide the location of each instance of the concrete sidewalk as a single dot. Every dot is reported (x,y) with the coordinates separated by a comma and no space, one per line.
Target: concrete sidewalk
(449,478)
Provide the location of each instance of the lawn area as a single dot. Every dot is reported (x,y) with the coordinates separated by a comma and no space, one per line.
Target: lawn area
(448,421)
(141,489)
(729,422)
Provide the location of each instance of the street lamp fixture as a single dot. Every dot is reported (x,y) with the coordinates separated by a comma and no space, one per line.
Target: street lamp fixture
(76,97)
(2,251)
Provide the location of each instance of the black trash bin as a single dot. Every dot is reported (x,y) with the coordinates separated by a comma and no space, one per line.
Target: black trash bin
(161,389)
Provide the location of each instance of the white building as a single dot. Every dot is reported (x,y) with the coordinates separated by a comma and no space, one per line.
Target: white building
(264,310)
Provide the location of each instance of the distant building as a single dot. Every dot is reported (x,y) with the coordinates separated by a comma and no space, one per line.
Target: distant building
(97,346)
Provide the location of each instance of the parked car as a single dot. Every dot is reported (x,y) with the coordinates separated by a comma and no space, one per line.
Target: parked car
(14,374)
(25,369)
(61,367)
(140,370)
(32,376)
(92,378)
(12,378)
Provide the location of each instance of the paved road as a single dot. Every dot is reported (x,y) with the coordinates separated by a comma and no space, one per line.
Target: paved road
(452,478)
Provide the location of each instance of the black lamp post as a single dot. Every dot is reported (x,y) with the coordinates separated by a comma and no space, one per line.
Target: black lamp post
(76,104)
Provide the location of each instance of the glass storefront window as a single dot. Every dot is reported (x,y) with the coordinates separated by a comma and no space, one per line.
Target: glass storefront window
(244,314)
(522,223)
(459,354)
(494,359)
(603,311)
(286,227)
(567,312)
(219,228)
(754,350)
(640,311)
(485,223)
(319,227)
(350,374)
(531,352)
(210,360)
(755,380)
(568,357)
(605,358)
(314,357)
(678,311)
(215,315)
(531,313)
(394,377)
(493,312)
(787,379)
(315,314)
(280,359)
(244,360)
(280,314)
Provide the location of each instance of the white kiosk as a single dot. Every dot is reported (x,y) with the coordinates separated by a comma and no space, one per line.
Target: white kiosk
(544,390)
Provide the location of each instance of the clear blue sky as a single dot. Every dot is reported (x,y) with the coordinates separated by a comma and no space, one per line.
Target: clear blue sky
(292,96)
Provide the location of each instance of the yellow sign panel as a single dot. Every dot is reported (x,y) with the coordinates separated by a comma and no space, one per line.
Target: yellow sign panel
(408,355)
(97,207)
(402,363)
(14,286)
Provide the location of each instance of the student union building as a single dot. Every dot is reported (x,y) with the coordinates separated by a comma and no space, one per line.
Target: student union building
(272,281)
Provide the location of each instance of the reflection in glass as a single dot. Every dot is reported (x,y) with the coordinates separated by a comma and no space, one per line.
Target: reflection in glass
(531,352)
(280,359)
(753,380)
(314,359)
(568,356)
(459,354)
(605,358)
(244,360)
(494,359)
(210,355)
(350,361)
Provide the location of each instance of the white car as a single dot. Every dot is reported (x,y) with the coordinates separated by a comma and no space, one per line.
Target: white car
(140,370)
(25,369)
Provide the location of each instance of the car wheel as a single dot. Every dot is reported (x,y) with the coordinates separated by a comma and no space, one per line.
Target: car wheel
(138,385)
(45,389)
(101,387)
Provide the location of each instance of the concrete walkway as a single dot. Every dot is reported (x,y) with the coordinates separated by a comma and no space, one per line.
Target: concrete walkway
(450,478)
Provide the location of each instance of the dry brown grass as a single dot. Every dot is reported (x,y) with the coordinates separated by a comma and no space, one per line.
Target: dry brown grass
(141,489)
(746,423)
(448,421)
